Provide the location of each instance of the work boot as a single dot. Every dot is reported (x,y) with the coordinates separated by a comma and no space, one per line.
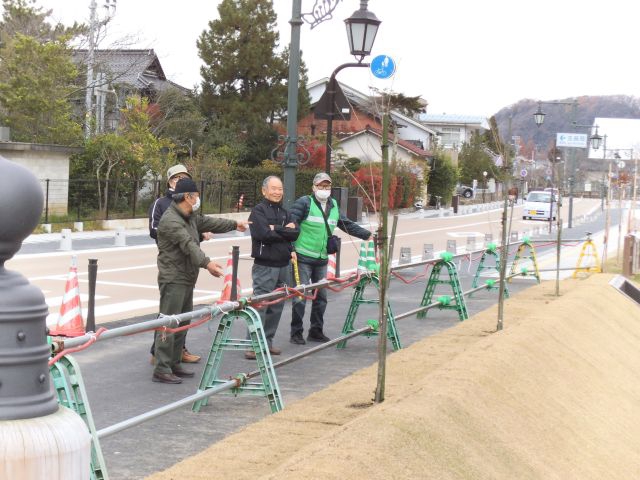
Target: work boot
(274,351)
(250,355)
(165,378)
(297,339)
(188,357)
(317,336)
(181,372)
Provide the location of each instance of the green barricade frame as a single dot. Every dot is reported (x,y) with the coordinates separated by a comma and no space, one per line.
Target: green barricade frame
(358,299)
(453,281)
(492,252)
(71,393)
(222,342)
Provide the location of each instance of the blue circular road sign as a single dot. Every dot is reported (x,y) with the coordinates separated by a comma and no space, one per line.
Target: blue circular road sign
(383,66)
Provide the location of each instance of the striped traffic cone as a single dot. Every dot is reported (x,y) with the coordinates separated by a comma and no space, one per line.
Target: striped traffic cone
(228,281)
(70,323)
(331,267)
(362,261)
(372,264)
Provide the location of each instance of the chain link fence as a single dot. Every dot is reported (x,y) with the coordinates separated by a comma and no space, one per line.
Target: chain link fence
(82,200)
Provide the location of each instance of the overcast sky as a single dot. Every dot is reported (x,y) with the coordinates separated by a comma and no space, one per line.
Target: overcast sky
(462,56)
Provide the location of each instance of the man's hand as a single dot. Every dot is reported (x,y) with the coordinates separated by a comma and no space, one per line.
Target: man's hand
(214,269)
(271,227)
(207,236)
(294,257)
(290,225)
(242,225)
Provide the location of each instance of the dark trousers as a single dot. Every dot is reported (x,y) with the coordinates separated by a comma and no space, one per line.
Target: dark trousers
(266,280)
(309,274)
(174,299)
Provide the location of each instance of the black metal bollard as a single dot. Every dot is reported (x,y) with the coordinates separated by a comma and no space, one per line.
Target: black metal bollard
(338,257)
(91,306)
(235,258)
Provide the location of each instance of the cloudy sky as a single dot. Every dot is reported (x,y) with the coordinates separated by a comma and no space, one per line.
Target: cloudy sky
(462,56)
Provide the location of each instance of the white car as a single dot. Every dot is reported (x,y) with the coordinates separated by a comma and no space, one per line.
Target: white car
(538,206)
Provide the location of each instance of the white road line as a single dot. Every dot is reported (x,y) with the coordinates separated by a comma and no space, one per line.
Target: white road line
(56,301)
(121,249)
(110,309)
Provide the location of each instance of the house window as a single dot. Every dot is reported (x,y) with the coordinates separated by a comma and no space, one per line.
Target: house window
(450,136)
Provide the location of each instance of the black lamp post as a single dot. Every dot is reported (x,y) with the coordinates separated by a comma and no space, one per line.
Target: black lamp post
(362,27)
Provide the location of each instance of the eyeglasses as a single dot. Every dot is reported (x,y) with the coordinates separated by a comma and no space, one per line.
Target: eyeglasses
(325,187)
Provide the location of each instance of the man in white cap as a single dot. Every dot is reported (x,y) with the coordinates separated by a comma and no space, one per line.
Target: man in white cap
(318,215)
(156,210)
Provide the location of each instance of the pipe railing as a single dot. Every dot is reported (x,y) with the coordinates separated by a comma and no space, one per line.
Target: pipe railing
(173,321)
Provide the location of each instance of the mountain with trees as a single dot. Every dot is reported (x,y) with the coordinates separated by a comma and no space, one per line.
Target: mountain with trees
(518,118)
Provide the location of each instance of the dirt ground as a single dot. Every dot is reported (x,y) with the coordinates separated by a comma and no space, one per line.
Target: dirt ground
(555,395)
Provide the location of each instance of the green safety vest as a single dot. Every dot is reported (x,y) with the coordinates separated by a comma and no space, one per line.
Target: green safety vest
(312,241)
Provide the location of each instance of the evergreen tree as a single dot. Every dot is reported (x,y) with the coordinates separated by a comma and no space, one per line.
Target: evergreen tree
(37,76)
(474,159)
(243,73)
(443,176)
(244,87)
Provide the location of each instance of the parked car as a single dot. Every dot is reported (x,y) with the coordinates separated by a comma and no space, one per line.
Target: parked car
(464,190)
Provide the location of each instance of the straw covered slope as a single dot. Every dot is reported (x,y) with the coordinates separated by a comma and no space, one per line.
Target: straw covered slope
(556,395)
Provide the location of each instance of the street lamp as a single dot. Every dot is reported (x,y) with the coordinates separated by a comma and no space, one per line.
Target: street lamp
(362,27)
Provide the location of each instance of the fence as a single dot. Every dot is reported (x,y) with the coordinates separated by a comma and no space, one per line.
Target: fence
(93,199)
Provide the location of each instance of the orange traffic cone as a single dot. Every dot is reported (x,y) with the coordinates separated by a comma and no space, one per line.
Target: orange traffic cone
(331,267)
(228,281)
(70,323)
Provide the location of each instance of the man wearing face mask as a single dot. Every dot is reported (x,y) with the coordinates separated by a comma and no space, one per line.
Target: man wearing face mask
(272,234)
(156,210)
(179,262)
(318,215)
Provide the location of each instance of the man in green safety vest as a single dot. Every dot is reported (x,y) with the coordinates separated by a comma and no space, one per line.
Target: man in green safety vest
(318,215)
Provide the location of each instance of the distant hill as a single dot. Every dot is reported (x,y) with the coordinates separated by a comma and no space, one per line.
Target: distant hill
(558,118)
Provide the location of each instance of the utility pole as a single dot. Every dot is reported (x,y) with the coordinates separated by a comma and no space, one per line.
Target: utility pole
(88,99)
(94,29)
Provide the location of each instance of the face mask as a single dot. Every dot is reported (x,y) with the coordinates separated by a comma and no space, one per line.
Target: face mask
(322,195)
(196,205)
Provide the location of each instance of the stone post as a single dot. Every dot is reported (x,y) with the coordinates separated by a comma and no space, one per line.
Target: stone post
(39,439)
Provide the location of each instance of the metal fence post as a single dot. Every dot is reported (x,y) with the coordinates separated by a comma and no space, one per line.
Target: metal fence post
(91,307)
(106,199)
(46,204)
(135,196)
(221,187)
(203,185)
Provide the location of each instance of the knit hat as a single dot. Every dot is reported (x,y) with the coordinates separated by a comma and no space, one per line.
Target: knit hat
(185,185)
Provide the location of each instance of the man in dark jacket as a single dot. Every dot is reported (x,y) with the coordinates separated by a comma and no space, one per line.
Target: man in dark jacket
(317,215)
(272,232)
(179,262)
(157,208)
